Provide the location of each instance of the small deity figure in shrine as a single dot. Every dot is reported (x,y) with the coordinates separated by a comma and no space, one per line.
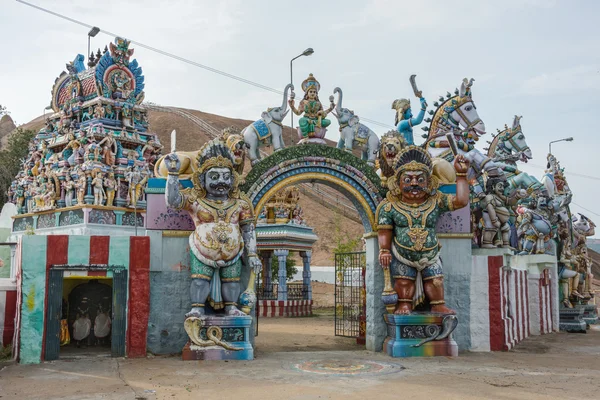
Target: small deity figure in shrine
(98,110)
(224,228)
(81,186)
(110,185)
(98,189)
(298,215)
(69,187)
(311,107)
(404,117)
(407,219)
(136,181)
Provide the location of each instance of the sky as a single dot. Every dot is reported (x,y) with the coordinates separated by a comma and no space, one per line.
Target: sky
(535,58)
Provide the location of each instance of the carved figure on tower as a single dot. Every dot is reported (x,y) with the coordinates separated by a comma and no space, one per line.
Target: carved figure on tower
(312,108)
(409,247)
(224,228)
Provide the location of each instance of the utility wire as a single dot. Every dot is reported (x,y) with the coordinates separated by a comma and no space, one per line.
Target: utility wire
(586,209)
(569,173)
(176,57)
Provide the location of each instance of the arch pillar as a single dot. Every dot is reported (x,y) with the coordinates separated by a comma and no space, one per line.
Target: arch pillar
(281,255)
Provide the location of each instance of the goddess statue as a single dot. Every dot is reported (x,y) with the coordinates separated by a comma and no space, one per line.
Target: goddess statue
(81,186)
(409,247)
(224,228)
(314,114)
(110,184)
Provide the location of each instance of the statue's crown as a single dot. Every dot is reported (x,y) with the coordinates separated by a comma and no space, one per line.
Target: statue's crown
(214,154)
(413,158)
(311,82)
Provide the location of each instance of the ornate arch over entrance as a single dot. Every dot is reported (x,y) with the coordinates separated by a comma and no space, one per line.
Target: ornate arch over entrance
(330,166)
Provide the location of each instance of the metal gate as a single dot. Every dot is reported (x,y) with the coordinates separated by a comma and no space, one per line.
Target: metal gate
(350,295)
(53,316)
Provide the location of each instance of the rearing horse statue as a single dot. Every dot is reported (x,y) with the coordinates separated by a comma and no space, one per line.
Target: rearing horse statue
(508,147)
(458,115)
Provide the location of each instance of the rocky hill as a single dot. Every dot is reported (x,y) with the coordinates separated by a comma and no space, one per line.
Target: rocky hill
(6,126)
(191,136)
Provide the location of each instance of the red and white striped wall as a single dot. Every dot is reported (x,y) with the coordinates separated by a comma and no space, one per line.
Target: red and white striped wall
(284,308)
(519,298)
(8,307)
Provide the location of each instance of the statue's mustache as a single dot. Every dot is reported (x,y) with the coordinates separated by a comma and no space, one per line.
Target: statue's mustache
(413,188)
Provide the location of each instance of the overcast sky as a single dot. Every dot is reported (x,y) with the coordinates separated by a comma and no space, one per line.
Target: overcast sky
(536,58)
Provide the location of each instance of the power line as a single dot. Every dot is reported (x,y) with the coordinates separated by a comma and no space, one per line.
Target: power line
(586,209)
(176,57)
(569,173)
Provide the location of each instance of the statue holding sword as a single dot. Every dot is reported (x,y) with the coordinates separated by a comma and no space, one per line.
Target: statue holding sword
(404,117)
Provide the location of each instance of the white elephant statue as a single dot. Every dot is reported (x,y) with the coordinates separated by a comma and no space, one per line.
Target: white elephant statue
(267,129)
(353,133)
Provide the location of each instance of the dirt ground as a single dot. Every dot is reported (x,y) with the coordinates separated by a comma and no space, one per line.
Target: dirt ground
(565,366)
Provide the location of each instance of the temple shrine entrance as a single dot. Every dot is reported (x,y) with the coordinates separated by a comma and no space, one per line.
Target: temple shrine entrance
(359,183)
(86,311)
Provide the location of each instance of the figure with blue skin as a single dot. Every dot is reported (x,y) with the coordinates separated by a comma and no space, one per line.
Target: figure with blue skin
(404,117)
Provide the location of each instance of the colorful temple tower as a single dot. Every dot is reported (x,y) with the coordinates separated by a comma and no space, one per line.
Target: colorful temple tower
(91,162)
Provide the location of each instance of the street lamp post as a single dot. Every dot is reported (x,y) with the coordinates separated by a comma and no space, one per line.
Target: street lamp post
(92,33)
(306,52)
(569,139)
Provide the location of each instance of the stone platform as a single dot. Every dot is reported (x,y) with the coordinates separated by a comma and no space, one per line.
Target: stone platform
(571,320)
(590,314)
(406,332)
(233,332)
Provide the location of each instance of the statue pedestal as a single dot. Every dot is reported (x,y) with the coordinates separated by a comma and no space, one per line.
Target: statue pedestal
(235,332)
(316,137)
(590,314)
(571,320)
(406,331)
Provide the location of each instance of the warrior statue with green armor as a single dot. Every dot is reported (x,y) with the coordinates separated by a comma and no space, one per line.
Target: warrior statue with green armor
(224,228)
(407,219)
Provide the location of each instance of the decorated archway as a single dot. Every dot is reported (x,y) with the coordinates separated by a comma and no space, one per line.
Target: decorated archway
(329,166)
(347,174)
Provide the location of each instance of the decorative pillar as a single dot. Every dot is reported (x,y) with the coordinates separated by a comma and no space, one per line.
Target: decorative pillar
(306,285)
(268,273)
(376,326)
(89,197)
(281,255)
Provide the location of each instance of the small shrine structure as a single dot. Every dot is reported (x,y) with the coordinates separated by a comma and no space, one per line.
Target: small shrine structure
(281,229)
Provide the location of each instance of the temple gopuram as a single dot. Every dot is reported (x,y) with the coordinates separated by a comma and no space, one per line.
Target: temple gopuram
(89,165)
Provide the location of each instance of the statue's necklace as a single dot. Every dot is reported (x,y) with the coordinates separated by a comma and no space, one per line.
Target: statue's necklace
(416,210)
(219,206)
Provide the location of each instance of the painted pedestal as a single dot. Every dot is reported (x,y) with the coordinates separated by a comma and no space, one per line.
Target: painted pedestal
(316,137)
(571,320)
(590,314)
(235,331)
(407,331)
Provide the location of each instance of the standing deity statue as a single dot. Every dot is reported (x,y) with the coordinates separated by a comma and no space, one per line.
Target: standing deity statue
(110,184)
(136,180)
(81,186)
(224,228)
(404,117)
(407,218)
(314,114)
(534,227)
(98,188)
(69,187)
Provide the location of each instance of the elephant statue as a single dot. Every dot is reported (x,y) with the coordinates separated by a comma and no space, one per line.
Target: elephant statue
(267,129)
(353,133)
